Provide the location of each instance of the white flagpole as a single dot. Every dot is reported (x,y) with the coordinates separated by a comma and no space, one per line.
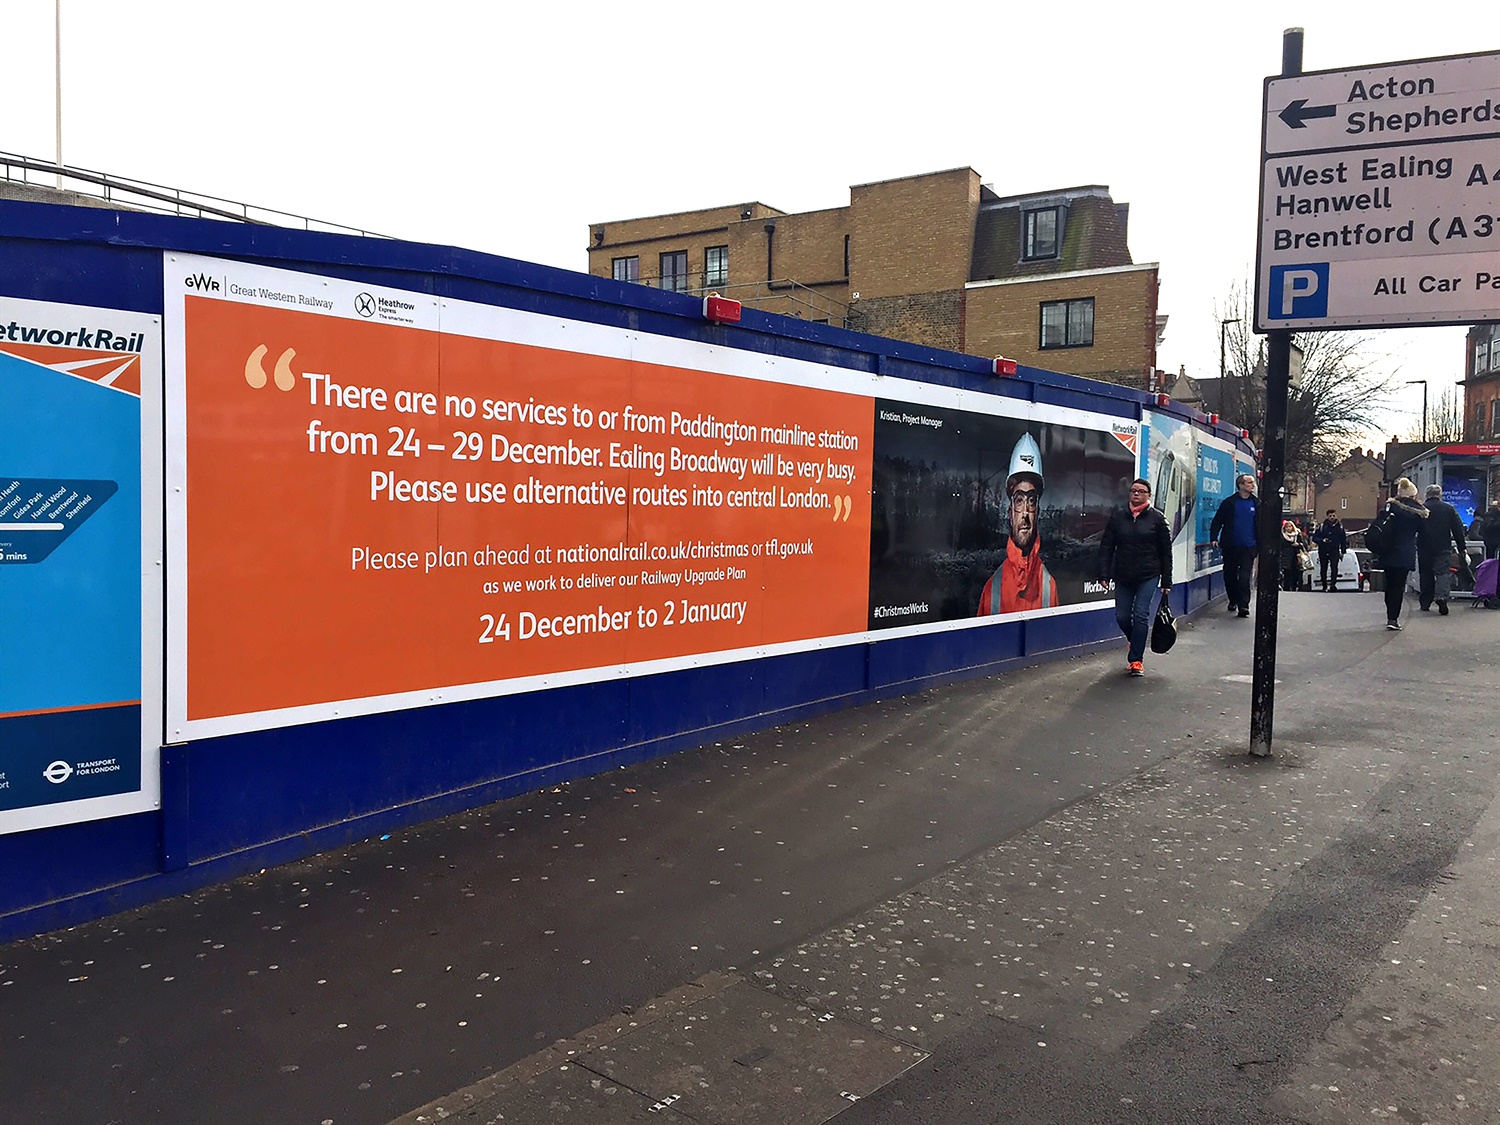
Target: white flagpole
(57,95)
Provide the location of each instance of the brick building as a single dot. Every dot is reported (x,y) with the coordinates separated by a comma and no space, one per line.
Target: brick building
(938,259)
(1482,383)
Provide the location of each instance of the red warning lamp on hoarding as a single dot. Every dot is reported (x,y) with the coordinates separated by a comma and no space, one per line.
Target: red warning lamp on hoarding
(721,310)
(1163,399)
(1245,434)
(1214,419)
(1003,366)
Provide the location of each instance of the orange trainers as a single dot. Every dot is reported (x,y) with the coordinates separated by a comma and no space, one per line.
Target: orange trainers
(1137,668)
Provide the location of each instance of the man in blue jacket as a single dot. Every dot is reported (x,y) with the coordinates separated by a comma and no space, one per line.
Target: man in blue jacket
(1235,523)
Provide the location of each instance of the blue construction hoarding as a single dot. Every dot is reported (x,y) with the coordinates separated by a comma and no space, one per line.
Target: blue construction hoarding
(306,536)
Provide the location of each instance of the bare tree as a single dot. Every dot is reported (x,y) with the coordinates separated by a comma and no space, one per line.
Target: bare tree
(1445,421)
(1345,383)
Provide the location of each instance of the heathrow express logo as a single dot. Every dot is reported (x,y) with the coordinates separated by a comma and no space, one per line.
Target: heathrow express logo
(364,304)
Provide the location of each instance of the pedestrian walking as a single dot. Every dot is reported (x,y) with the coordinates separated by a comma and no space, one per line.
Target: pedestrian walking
(1333,542)
(1400,522)
(1292,556)
(1435,560)
(1136,551)
(1235,525)
(1489,530)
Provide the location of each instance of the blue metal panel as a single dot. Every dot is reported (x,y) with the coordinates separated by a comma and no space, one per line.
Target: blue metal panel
(83,275)
(53,864)
(252,788)
(1200,592)
(694,699)
(1086,400)
(1071,630)
(829,673)
(906,659)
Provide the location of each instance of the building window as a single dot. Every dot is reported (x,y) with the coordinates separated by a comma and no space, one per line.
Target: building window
(1343,502)
(1479,409)
(716,266)
(674,275)
(1481,357)
(1495,416)
(1068,324)
(1041,233)
(627,269)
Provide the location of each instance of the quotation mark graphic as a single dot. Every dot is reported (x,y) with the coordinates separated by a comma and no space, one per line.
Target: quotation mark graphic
(843,508)
(255,370)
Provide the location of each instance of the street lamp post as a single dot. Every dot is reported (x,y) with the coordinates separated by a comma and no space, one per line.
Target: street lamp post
(1223,324)
(1413,382)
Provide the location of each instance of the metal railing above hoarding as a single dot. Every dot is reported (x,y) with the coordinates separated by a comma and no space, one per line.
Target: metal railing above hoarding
(44,176)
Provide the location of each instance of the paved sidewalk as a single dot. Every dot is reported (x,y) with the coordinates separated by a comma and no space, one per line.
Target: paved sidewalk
(1057,896)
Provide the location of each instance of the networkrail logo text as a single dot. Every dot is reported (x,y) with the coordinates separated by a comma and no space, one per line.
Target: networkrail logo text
(100,355)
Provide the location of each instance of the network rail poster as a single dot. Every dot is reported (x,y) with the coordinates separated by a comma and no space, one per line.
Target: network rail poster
(383,500)
(79,563)
(1190,474)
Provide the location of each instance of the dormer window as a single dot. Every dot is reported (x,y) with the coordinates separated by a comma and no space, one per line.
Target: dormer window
(1041,233)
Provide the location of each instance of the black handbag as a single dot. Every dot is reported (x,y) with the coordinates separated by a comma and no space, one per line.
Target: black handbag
(1163,629)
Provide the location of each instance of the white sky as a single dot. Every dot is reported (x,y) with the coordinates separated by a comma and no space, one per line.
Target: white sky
(508,128)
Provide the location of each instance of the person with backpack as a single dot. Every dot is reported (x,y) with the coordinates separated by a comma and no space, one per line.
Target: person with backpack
(1393,539)
(1489,530)
(1444,527)
(1136,551)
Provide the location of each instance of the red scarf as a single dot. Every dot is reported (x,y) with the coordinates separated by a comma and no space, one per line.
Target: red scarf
(1137,508)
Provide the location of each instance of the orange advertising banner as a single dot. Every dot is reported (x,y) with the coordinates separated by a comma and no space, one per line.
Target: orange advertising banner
(375,508)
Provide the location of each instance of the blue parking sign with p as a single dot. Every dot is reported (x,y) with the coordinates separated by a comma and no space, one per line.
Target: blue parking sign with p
(1298,292)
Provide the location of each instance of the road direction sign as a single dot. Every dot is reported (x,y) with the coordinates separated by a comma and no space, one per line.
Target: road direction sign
(1380,196)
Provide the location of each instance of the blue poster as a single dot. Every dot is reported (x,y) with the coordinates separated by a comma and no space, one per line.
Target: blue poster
(1216,473)
(1464,489)
(71,562)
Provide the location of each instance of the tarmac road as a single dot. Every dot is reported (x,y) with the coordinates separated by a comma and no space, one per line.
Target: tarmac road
(1058,895)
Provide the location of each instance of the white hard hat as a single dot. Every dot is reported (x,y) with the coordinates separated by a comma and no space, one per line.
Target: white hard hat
(1026,457)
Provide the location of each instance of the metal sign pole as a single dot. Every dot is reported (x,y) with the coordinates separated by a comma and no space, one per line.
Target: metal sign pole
(1273,466)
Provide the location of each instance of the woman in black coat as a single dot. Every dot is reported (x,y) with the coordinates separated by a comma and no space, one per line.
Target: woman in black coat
(1406,516)
(1136,551)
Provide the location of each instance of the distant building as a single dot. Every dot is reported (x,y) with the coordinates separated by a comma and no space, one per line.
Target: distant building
(937,259)
(1353,490)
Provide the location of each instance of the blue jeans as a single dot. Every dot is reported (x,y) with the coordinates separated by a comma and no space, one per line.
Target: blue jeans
(1135,606)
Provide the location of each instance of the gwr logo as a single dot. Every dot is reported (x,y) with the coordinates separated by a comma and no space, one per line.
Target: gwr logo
(201,282)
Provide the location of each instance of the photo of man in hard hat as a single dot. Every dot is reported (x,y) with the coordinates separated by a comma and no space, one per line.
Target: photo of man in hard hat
(1023,581)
